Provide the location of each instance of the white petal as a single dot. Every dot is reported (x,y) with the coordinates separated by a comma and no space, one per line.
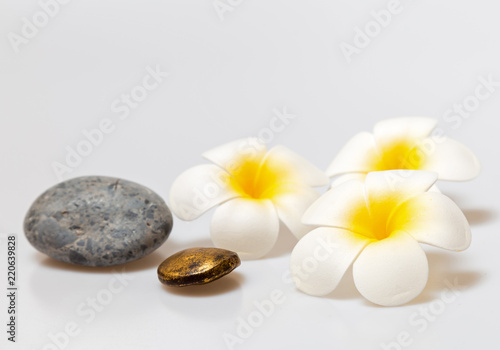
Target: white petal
(292,167)
(404,128)
(358,155)
(339,180)
(321,258)
(291,203)
(451,160)
(434,188)
(247,226)
(198,189)
(343,206)
(392,271)
(434,219)
(230,155)
(396,186)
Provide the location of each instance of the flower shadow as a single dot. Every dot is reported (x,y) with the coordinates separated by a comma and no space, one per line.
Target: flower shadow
(441,275)
(284,244)
(478,216)
(346,288)
(475,216)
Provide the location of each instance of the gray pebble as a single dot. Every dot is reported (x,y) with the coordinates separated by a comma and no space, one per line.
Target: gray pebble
(98,221)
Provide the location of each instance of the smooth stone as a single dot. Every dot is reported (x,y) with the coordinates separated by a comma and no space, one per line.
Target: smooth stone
(196,266)
(98,221)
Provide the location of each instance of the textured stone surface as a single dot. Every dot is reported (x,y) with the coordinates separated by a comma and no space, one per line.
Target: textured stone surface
(196,266)
(98,221)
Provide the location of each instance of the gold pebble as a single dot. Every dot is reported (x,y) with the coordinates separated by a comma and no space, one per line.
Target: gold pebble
(196,266)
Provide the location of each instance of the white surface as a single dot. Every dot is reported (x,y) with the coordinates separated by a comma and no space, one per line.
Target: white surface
(226,77)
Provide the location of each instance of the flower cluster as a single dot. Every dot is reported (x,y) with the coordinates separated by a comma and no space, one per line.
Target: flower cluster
(381,204)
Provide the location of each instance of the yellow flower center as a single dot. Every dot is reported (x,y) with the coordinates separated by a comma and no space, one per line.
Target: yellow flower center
(378,221)
(256,178)
(402,154)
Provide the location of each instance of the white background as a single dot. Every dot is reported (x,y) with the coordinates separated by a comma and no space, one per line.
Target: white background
(226,78)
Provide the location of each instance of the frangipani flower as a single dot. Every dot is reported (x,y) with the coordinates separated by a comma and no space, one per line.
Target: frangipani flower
(404,143)
(377,226)
(256,189)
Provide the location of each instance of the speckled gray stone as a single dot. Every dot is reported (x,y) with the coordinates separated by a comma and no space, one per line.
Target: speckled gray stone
(98,221)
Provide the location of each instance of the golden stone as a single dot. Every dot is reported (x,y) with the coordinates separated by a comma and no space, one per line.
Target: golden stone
(196,266)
